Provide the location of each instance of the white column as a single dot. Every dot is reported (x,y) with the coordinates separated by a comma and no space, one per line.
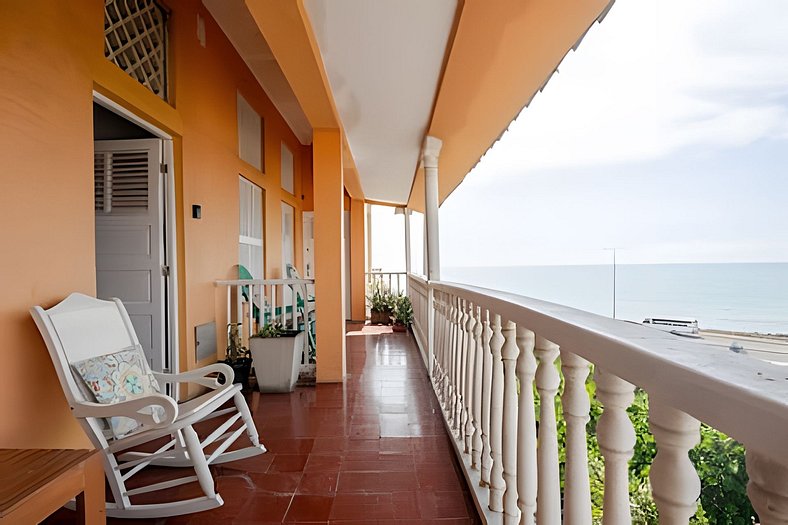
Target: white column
(407,240)
(675,484)
(432,148)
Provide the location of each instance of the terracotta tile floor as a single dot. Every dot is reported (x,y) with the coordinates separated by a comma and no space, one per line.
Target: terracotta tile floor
(371,451)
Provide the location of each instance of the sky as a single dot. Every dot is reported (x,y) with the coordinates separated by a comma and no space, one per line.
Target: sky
(665,136)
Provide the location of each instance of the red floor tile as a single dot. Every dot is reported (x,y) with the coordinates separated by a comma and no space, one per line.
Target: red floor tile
(309,508)
(372,451)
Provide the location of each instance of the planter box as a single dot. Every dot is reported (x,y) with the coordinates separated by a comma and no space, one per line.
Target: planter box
(276,361)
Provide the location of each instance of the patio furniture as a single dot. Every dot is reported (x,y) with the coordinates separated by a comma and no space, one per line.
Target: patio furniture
(84,329)
(306,306)
(35,483)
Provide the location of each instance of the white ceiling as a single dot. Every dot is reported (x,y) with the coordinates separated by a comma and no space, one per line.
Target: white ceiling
(239,26)
(383,60)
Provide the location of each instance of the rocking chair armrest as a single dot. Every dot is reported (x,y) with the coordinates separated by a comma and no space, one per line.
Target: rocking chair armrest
(201,376)
(131,409)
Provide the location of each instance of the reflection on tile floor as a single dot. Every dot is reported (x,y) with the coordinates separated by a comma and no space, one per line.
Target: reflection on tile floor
(373,450)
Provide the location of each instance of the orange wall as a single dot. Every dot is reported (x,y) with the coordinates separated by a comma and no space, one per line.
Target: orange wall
(51,58)
(329,266)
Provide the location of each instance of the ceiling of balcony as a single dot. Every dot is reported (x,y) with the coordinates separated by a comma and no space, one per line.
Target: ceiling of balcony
(383,60)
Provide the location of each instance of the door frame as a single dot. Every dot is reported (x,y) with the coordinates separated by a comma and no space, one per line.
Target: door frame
(170,241)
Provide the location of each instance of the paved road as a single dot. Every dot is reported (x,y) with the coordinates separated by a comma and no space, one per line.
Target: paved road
(774,350)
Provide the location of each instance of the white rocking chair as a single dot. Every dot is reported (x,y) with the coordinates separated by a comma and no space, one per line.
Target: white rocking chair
(82,327)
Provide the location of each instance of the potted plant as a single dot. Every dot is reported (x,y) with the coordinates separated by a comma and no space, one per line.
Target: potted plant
(403,313)
(237,355)
(381,303)
(276,355)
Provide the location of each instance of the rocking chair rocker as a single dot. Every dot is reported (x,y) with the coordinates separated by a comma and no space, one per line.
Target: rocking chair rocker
(83,327)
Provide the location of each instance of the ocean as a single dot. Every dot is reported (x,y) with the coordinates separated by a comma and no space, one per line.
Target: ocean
(746,297)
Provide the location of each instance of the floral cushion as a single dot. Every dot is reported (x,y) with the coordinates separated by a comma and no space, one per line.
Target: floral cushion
(117,377)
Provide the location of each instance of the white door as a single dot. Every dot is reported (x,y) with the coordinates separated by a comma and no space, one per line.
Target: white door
(129,236)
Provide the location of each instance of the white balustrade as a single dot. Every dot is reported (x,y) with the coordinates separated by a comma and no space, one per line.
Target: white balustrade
(485,373)
(576,406)
(478,374)
(486,459)
(768,488)
(395,282)
(547,382)
(509,354)
(674,482)
(470,362)
(526,428)
(497,483)
(462,343)
(253,303)
(616,437)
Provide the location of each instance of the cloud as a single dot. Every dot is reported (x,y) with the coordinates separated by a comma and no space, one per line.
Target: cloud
(657,76)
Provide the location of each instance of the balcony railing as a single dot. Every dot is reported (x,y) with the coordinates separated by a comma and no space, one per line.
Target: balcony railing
(396,282)
(252,303)
(487,350)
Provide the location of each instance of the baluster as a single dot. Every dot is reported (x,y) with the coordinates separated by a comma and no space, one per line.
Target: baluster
(449,322)
(462,320)
(675,484)
(251,310)
(435,337)
(616,437)
(768,488)
(229,304)
(547,382)
(526,428)
(497,484)
(486,460)
(274,317)
(441,385)
(239,311)
(452,384)
(509,354)
(576,406)
(437,367)
(470,382)
(477,390)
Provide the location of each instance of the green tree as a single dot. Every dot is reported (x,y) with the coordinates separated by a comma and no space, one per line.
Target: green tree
(718,459)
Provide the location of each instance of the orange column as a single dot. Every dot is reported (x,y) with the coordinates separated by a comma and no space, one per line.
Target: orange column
(357,280)
(329,255)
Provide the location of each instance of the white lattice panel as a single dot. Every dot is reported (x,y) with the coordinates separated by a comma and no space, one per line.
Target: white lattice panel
(135,38)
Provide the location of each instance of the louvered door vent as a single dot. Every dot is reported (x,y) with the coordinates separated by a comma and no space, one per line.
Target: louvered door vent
(121,182)
(135,38)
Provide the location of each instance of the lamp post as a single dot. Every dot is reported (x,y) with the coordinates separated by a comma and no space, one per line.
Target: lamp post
(614,280)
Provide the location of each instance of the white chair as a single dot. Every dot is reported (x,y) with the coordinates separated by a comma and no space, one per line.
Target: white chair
(82,327)
(306,307)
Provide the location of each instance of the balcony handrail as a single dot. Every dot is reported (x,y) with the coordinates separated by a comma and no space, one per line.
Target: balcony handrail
(242,282)
(685,374)
(489,352)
